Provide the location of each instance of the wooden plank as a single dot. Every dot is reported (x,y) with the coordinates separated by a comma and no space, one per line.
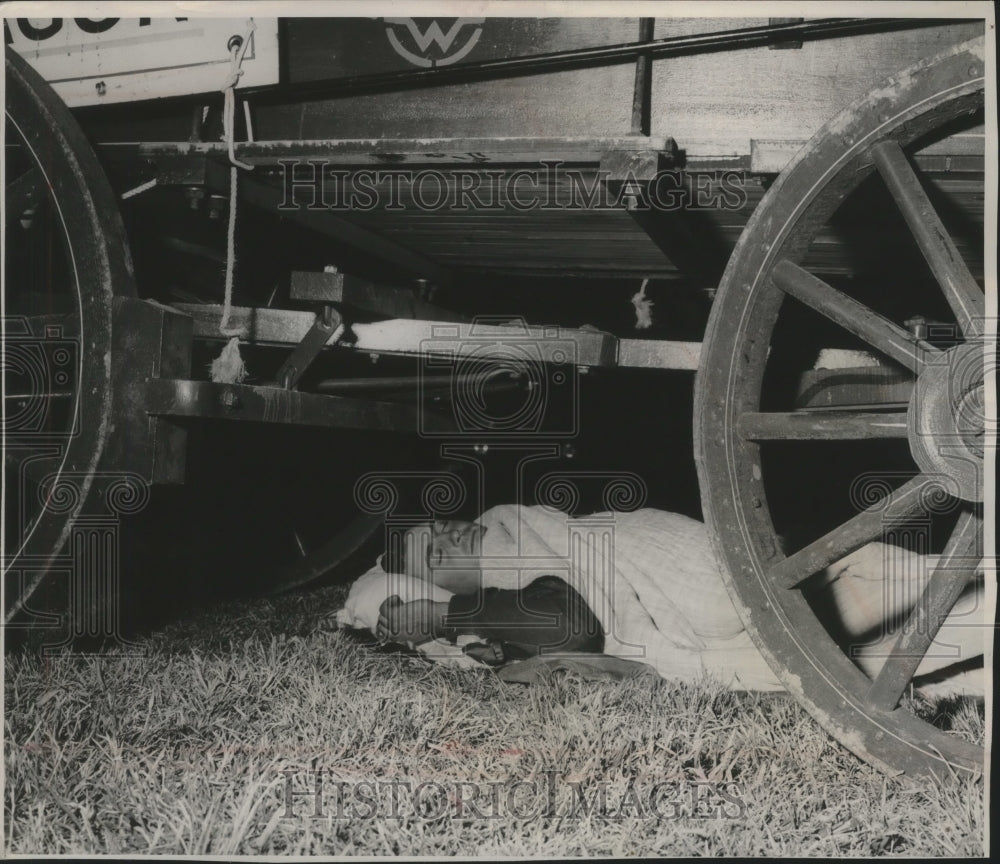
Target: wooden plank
(712,104)
(564,103)
(416,151)
(658,354)
(346,232)
(715,104)
(388,301)
(393,302)
(963,152)
(263,326)
(169,397)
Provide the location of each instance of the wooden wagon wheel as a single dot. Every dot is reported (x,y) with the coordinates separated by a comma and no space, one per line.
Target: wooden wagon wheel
(54,186)
(735,420)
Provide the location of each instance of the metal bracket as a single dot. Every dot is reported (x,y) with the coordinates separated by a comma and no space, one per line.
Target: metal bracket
(318,336)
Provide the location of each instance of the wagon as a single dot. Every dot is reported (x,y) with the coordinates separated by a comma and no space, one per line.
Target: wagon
(745,161)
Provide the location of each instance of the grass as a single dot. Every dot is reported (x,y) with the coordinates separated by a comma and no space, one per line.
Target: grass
(190,743)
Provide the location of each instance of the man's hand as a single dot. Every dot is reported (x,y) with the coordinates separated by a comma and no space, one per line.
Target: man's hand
(410,623)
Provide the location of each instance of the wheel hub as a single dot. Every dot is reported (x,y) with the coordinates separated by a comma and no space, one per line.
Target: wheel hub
(946,419)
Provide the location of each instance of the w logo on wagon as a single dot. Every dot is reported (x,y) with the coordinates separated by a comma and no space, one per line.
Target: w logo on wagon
(433,46)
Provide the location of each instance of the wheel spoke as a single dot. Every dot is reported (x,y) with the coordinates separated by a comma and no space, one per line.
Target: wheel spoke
(954,572)
(822,425)
(946,262)
(901,504)
(879,332)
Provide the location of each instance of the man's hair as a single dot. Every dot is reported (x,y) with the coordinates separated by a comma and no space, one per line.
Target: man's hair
(395,560)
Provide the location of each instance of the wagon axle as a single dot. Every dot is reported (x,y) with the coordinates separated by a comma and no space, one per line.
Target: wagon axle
(945,419)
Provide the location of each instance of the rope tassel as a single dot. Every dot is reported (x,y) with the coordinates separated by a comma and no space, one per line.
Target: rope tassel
(228,367)
(643,308)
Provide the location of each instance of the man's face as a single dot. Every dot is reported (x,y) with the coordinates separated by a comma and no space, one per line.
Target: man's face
(452,553)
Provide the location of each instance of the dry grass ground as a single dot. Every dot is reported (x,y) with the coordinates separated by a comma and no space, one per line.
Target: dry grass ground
(191,746)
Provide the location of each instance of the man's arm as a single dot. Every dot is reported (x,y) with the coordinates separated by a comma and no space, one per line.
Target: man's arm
(547,615)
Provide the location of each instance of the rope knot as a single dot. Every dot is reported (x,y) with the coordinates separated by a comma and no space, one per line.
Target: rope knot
(233,78)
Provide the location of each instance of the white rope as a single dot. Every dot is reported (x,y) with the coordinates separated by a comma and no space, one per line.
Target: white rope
(228,118)
(229,367)
(227,303)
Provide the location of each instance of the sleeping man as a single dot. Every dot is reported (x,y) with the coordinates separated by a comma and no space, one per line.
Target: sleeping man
(641,586)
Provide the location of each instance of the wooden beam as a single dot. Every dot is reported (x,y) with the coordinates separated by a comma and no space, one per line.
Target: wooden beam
(388,301)
(392,152)
(658,354)
(164,397)
(262,326)
(415,338)
(344,231)
(680,233)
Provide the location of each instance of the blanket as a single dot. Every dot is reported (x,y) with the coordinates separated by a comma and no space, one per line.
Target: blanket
(649,576)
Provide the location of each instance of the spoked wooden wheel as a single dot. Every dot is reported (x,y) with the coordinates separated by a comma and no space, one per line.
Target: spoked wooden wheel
(66,259)
(746,438)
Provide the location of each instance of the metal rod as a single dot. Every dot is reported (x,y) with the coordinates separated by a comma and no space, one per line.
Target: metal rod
(642,93)
(321,334)
(671,46)
(497,380)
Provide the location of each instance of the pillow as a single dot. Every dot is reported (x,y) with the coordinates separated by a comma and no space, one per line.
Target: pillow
(373,588)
